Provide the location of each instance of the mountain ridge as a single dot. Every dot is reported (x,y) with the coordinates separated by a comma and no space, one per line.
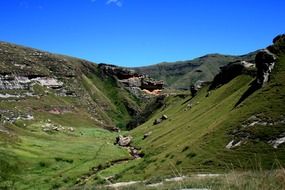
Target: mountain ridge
(182,74)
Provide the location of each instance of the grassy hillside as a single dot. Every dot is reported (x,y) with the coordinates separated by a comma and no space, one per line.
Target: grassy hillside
(58,136)
(109,101)
(52,136)
(195,137)
(182,74)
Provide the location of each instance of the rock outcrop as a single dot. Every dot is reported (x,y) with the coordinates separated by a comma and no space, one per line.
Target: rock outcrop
(261,66)
(123,140)
(265,61)
(14,82)
(278,45)
(231,71)
(119,72)
(137,84)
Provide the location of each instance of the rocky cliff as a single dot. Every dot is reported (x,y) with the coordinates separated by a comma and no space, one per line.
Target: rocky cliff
(138,84)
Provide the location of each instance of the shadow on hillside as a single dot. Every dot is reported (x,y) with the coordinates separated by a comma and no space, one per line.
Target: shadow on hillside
(253,87)
(187,101)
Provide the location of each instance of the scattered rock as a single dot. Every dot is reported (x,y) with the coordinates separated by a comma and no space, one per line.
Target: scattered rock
(164,117)
(159,120)
(255,120)
(147,135)
(28,117)
(71,129)
(135,152)
(123,140)
(114,129)
(51,127)
(233,144)
(275,143)
(10,116)
(244,133)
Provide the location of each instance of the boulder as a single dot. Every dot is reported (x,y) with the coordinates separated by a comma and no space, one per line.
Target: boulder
(123,140)
(71,129)
(227,73)
(146,135)
(164,117)
(157,121)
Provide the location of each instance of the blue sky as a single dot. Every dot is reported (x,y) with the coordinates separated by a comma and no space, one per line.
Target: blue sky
(142,32)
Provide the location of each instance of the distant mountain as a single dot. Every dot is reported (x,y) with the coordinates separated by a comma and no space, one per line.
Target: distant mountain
(181,74)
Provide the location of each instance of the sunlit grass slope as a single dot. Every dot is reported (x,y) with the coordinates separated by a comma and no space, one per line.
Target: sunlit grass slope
(194,139)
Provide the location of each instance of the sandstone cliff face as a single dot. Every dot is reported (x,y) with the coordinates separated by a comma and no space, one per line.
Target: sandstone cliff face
(138,84)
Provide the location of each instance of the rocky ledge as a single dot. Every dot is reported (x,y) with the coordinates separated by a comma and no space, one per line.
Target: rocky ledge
(137,84)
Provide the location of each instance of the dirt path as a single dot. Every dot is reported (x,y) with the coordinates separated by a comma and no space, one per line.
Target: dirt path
(174,179)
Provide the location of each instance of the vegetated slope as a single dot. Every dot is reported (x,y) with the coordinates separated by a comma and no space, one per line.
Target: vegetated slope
(81,80)
(214,131)
(54,112)
(181,74)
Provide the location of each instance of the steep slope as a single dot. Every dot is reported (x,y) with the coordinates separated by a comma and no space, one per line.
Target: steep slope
(214,131)
(31,73)
(182,74)
(56,114)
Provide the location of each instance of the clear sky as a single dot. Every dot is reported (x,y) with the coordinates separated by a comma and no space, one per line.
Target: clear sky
(142,32)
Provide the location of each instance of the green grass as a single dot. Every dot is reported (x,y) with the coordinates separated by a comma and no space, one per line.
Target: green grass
(112,99)
(36,159)
(236,180)
(194,140)
(61,157)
